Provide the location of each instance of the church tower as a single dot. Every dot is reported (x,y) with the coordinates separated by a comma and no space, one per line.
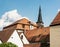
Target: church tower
(39,21)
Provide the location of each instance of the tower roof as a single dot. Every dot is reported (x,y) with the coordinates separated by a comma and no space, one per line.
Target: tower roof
(39,16)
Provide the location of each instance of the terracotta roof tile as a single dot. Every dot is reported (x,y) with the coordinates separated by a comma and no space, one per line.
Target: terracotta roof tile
(37,34)
(56,20)
(6,33)
(25,21)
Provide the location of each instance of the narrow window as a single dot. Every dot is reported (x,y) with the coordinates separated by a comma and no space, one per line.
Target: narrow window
(12,37)
(21,36)
(23,25)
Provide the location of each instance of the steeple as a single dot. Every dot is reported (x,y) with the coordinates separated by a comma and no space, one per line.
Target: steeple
(39,21)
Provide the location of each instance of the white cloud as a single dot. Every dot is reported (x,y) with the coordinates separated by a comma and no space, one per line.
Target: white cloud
(1,22)
(9,17)
(58,10)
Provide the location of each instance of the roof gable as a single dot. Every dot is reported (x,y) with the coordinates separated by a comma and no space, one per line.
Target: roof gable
(24,20)
(5,34)
(21,21)
(56,20)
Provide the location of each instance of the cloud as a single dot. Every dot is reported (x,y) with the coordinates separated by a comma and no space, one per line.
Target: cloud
(9,17)
(58,10)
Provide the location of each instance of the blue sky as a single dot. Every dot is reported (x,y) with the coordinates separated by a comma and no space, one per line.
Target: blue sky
(30,8)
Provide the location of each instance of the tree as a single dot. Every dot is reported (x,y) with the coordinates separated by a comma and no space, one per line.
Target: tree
(8,44)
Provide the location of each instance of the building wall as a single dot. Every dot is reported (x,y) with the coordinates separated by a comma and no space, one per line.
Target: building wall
(24,39)
(26,27)
(14,38)
(19,26)
(55,36)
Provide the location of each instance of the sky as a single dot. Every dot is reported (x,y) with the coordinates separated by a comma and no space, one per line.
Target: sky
(30,9)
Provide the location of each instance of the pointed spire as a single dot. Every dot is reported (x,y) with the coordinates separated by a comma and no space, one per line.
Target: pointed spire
(39,21)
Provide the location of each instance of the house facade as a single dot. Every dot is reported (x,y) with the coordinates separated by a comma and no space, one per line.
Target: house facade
(12,35)
(55,32)
(15,38)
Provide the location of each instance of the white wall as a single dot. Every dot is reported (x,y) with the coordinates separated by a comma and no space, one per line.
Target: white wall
(14,38)
(0,41)
(55,36)
(31,27)
(25,41)
(19,30)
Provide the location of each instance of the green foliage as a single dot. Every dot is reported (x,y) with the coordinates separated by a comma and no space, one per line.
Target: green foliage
(8,44)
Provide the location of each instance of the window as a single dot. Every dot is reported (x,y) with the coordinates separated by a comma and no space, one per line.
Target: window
(12,37)
(31,27)
(21,36)
(23,25)
(20,30)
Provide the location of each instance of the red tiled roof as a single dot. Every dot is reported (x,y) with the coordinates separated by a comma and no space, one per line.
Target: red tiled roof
(56,21)
(5,34)
(37,34)
(21,21)
(18,22)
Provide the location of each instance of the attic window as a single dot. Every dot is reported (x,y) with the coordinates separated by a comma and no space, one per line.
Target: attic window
(12,37)
(21,36)
(23,25)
